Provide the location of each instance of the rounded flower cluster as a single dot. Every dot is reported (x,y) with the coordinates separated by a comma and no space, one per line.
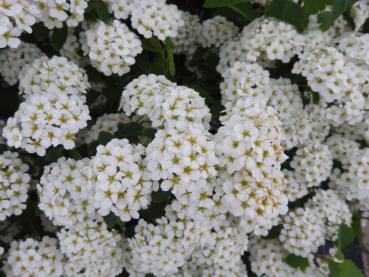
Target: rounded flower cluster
(156,18)
(112,48)
(34,258)
(120,8)
(185,161)
(216,31)
(54,109)
(332,210)
(294,188)
(121,187)
(162,248)
(55,12)
(355,47)
(91,251)
(164,103)
(312,164)
(342,148)
(248,147)
(16,17)
(14,184)
(186,40)
(66,192)
(303,232)
(353,183)
(245,80)
(269,39)
(12,61)
(268,259)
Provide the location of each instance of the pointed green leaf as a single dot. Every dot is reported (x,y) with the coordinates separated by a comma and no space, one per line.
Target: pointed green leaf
(102,10)
(104,137)
(345,236)
(58,37)
(244,9)
(288,11)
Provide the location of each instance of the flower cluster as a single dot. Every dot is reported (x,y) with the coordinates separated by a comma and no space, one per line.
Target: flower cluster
(156,18)
(112,48)
(54,109)
(91,251)
(164,103)
(216,31)
(34,258)
(14,184)
(66,192)
(55,12)
(16,17)
(13,61)
(121,187)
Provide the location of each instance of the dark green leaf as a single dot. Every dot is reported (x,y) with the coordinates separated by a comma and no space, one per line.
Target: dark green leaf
(314,6)
(169,46)
(356,226)
(160,196)
(40,31)
(345,236)
(327,18)
(288,11)
(220,3)
(340,255)
(104,137)
(245,9)
(102,10)
(296,261)
(129,130)
(345,269)
(152,45)
(148,132)
(74,154)
(111,220)
(53,154)
(58,37)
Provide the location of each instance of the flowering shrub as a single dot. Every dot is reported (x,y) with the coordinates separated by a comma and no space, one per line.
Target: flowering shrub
(183,138)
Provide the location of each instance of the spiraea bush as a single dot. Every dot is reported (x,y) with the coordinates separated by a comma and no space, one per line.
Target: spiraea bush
(184,138)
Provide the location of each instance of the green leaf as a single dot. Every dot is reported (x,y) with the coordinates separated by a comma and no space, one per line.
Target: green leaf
(244,9)
(296,261)
(152,45)
(104,137)
(327,18)
(345,269)
(160,196)
(132,129)
(289,12)
(314,6)
(169,46)
(102,10)
(40,31)
(111,220)
(53,154)
(345,236)
(74,154)
(58,37)
(210,4)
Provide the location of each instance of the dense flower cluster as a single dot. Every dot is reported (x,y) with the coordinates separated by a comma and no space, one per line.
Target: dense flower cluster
(121,187)
(112,48)
(14,60)
(16,17)
(164,103)
(55,12)
(54,109)
(156,18)
(34,258)
(14,184)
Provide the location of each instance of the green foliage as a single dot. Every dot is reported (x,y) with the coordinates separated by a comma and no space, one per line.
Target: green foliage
(104,137)
(296,261)
(327,18)
(288,11)
(314,6)
(169,47)
(58,37)
(160,196)
(345,269)
(53,154)
(221,3)
(111,220)
(346,235)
